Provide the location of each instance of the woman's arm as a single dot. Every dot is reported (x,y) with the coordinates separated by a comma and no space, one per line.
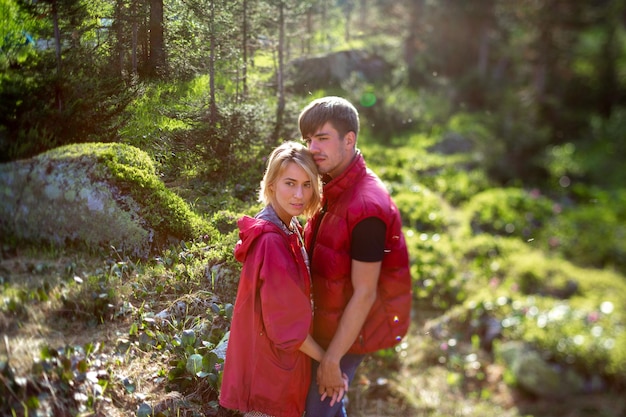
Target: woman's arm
(315,351)
(312,349)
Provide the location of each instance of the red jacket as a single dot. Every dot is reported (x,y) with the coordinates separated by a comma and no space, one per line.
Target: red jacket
(264,370)
(351,197)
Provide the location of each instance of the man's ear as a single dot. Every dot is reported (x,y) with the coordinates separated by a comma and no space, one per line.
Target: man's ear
(350,139)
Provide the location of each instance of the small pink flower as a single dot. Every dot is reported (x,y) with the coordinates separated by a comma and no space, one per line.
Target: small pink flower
(593,317)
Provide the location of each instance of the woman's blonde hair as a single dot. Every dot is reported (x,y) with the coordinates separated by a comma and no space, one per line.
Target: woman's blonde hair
(278,160)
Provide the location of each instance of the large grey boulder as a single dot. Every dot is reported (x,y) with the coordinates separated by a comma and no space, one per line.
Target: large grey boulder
(534,374)
(95,195)
(331,70)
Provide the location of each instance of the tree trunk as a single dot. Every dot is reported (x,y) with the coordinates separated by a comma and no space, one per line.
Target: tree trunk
(609,85)
(348,7)
(412,41)
(244,74)
(57,44)
(212,104)
(280,108)
(157,48)
(135,37)
(119,33)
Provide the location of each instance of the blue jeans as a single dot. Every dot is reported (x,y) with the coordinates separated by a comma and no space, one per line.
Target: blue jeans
(317,408)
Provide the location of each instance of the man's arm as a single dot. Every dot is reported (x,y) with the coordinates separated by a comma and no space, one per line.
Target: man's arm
(364,281)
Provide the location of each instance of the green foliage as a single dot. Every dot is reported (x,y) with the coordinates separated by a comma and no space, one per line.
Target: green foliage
(438,280)
(423,210)
(587,337)
(64,381)
(225,221)
(598,155)
(397,112)
(85,109)
(16,42)
(163,210)
(227,152)
(457,184)
(193,329)
(509,212)
(196,323)
(131,175)
(476,128)
(570,314)
(591,234)
(485,256)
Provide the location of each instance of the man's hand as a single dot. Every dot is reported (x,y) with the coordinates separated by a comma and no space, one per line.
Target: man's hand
(332,383)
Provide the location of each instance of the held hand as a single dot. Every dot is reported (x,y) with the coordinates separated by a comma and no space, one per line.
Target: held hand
(329,377)
(337,393)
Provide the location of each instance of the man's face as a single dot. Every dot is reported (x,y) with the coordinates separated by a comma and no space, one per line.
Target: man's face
(331,152)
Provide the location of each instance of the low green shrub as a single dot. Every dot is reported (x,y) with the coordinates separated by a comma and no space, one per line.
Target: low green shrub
(70,380)
(508,212)
(592,232)
(423,210)
(439,282)
(571,314)
(456,184)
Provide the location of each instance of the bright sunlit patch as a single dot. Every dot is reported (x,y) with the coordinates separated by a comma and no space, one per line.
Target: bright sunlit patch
(606,307)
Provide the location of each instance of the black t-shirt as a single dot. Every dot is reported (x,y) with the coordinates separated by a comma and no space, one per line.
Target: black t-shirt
(368,240)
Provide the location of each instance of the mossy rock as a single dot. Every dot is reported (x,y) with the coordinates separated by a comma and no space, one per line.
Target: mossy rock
(93,194)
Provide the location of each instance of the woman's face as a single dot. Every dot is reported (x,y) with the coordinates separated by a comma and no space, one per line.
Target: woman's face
(292,192)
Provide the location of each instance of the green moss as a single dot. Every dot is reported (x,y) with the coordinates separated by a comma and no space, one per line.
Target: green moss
(133,172)
(162,209)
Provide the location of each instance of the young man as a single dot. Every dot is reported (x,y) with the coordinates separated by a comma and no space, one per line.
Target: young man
(358,255)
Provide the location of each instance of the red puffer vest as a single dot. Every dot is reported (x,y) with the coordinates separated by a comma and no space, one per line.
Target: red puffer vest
(353,196)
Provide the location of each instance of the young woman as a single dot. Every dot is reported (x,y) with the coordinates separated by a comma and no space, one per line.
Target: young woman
(267,368)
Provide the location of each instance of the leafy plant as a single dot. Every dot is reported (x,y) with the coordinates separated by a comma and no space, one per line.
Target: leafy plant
(590,233)
(438,281)
(423,210)
(66,381)
(509,212)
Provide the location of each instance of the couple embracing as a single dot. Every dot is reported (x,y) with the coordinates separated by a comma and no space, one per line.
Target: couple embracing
(312,302)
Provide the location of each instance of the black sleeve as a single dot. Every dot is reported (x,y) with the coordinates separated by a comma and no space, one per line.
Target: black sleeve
(368,240)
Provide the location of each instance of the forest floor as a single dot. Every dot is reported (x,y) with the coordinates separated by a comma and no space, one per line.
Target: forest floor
(409,388)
